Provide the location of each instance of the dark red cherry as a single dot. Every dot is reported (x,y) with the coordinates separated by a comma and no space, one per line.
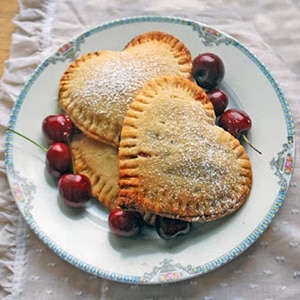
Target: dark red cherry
(58,159)
(208,70)
(125,223)
(75,190)
(57,128)
(58,156)
(237,122)
(218,99)
(170,228)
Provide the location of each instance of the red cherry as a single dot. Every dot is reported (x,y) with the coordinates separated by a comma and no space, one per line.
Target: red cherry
(58,159)
(75,190)
(218,99)
(57,128)
(125,223)
(58,156)
(237,122)
(208,70)
(170,228)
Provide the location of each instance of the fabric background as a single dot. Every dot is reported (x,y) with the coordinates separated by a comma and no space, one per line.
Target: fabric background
(270,269)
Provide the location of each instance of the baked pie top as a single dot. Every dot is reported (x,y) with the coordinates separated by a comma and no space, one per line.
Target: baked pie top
(174,161)
(97,89)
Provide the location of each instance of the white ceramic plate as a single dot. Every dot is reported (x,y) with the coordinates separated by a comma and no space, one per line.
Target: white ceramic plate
(82,238)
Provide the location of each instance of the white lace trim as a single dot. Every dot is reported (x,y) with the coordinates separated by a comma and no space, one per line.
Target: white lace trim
(28,43)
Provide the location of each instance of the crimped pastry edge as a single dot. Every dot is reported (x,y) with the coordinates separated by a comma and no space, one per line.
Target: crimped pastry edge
(178,48)
(102,190)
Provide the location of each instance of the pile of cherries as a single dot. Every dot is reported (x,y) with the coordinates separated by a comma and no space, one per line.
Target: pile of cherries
(75,189)
(208,71)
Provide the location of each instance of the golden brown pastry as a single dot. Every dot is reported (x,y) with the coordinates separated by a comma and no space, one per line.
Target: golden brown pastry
(97,89)
(99,162)
(174,161)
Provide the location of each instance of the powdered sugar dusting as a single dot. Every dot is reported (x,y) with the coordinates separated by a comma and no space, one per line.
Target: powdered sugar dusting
(188,165)
(107,88)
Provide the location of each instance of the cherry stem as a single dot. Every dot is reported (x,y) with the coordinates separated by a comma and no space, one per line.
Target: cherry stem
(28,139)
(249,143)
(72,154)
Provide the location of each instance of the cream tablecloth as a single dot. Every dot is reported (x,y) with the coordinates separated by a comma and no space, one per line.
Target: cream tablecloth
(270,269)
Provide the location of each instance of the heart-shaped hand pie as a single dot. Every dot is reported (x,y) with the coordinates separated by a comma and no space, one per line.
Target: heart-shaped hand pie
(97,89)
(174,161)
